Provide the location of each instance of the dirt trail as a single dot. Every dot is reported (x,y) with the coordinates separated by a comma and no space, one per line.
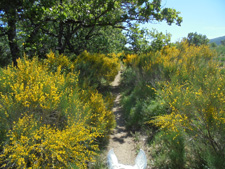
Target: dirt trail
(124,144)
(121,141)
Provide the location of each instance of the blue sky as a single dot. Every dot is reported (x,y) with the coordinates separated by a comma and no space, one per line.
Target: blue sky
(206,17)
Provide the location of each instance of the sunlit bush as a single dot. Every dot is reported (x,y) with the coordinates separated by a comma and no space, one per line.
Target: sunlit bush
(162,65)
(46,119)
(189,91)
(53,61)
(168,150)
(42,146)
(97,69)
(197,108)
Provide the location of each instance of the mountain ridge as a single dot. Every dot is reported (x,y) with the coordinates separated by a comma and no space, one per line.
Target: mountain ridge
(217,40)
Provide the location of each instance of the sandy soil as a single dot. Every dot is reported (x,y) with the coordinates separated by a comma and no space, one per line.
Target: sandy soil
(124,144)
(120,140)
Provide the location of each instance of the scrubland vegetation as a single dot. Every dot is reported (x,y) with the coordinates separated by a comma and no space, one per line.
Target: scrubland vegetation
(57,60)
(52,114)
(178,91)
(47,119)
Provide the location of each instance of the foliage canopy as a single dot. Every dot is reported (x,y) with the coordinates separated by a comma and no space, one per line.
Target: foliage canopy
(71,26)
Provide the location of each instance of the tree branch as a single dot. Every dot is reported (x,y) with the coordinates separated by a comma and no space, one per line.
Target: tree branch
(3,34)
(49,33)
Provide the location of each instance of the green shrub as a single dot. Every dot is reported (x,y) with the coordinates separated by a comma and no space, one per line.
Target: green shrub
(46,119)
(133,102)
(169,150)
(97,69)
(188,84)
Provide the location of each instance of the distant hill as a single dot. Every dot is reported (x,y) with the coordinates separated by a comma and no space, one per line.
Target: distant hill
(217,40)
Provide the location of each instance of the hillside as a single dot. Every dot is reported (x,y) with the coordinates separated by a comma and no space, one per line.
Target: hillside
(217,40)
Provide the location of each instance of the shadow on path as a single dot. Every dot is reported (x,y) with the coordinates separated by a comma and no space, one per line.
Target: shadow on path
(121,140)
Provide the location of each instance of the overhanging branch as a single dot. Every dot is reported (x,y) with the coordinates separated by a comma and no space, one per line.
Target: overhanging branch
(2,34)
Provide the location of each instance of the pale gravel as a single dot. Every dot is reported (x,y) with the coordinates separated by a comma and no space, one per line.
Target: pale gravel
(122,142)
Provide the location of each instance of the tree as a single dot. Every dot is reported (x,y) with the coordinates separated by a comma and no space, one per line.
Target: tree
(12,13)
(39,25)
(159,40)
(213,45)
(8,10)
(223,42)
(144,40)
(197,39)
(137,40)
(93,15)
(106,40)
(5,58)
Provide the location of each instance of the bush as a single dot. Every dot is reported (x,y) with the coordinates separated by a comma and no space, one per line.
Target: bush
(196,104)
(47,120)
(37,146)
(53,61)
(169,150)
(133,105)
(188,83)
(97,69)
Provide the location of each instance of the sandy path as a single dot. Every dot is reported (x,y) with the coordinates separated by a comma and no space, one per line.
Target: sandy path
(121,141)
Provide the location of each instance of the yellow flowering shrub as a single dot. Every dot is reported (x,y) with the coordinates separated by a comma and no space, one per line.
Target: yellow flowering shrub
(187,104)
(195,105)
(182,61)
(32,87)
(46,119)
(53,61)
(169,61)
(194,97)
(190,89)
(196,109)
(96,69)
(33,145)
(130,58)
(102,116)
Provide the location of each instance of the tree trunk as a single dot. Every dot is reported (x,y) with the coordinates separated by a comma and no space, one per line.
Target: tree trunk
(14,49)
(60,36)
